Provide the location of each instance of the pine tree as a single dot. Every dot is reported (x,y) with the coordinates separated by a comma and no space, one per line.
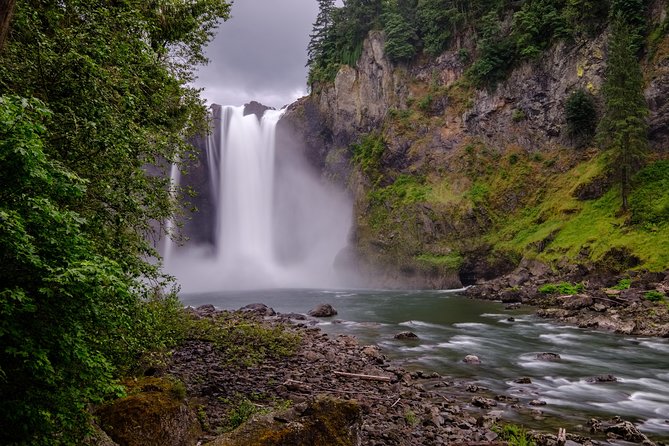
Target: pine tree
(400,36)
(624,128)
(320,30)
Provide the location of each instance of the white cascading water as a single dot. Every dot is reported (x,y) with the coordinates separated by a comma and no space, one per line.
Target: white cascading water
(277,224)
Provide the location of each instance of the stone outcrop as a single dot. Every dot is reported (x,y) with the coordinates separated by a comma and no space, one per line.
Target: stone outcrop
(154,414)
(525,113)
(323,421)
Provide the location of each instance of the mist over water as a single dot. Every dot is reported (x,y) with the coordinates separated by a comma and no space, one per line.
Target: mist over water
(274,222)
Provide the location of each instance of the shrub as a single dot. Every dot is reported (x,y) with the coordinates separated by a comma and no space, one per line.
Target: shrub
(581,116)
(623,284)
(654,296)
(561,288)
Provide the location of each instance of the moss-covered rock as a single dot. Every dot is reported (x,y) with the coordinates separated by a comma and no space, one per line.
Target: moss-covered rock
(322,422)
(154,413)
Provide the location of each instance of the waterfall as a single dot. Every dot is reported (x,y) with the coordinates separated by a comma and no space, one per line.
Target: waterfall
(272,221)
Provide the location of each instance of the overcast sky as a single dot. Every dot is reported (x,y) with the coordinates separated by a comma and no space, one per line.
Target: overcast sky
(259,53)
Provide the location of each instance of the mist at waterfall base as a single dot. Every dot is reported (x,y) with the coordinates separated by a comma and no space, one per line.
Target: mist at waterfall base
(266,219)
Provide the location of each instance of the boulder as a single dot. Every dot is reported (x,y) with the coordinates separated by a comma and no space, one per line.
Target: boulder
(577,302)
(323,310)
(620,428)
(471,359)
(602,379)
(260,309)
(154,414)
(406,335)
(547,356)
(321,422)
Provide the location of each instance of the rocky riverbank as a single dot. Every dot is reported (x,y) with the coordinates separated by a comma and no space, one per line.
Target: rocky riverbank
(634,303)
(329,390)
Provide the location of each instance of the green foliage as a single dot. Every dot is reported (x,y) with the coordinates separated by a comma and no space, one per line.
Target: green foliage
(649,199)
(518,115)
(586,16)
(451,261)
(496,53)
(436,22)
(623,127)
(80,286)
(338,35)
(581,116)
(411,418)
(564,288)
(623,284)
(367,154)
(654,296)
(401,38)
(515,435)
(244,340)
(239,414)
(62,306)
(405,190)
(536,25)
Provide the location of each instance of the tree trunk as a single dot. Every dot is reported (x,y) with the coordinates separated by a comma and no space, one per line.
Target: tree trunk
(6,11)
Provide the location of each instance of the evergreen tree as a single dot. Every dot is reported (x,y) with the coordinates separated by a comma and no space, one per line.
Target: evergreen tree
(581,116)
(319,32)
(624,128)
(400,36)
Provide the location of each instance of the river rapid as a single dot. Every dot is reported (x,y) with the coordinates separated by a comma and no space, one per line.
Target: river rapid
(507,342)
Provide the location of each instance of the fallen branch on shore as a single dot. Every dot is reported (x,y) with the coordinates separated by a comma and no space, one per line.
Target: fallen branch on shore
(360,376)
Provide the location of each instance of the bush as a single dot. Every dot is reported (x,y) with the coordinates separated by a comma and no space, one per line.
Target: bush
(654,296)
(581,116)
(561,288)
(623,284)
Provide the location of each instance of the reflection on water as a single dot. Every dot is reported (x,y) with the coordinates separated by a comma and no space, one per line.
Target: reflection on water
(450,327)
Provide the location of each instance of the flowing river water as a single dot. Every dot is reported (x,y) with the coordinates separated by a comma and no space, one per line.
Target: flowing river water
(450,327)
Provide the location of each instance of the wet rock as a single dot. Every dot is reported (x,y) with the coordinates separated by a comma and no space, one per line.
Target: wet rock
(619,428)
(156,414)
(577,302)
(471,359)
(512,306)
(323,310)
(547,356)
(511,319)
(260,309)
(537,403)
(523,380)
(406,335)
(484,403)
(321,422)
(602,379)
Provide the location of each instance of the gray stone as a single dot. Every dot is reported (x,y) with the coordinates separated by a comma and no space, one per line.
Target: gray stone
(406,335)
(323,310)
(471,359)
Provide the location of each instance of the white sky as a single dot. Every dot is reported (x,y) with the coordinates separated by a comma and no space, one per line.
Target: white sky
(259,53)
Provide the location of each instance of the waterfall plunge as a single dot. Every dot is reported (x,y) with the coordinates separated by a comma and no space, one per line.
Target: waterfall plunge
(274,222)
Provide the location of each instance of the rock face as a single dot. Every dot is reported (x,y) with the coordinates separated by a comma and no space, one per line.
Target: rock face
(154,416)
(321,422)
(525,113)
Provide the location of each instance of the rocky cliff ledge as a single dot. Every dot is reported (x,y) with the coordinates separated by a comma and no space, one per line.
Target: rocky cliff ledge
(464,183)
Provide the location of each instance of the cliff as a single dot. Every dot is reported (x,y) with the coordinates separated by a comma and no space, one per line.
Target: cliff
(454,183)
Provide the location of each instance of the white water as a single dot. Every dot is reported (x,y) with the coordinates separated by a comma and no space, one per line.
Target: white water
(277,224)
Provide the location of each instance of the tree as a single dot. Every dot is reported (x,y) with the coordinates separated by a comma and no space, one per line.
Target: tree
(401,38)
(624,126)
(320,30)
(6,11)
(82,202)
(581,116)
(437,20)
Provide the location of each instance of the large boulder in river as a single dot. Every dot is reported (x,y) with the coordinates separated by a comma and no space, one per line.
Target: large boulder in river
(154,414)
(406,335)
(471,359)
(547,356)
(322,422)
(323,310)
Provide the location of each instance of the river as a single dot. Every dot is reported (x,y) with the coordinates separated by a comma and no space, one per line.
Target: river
(450,327)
